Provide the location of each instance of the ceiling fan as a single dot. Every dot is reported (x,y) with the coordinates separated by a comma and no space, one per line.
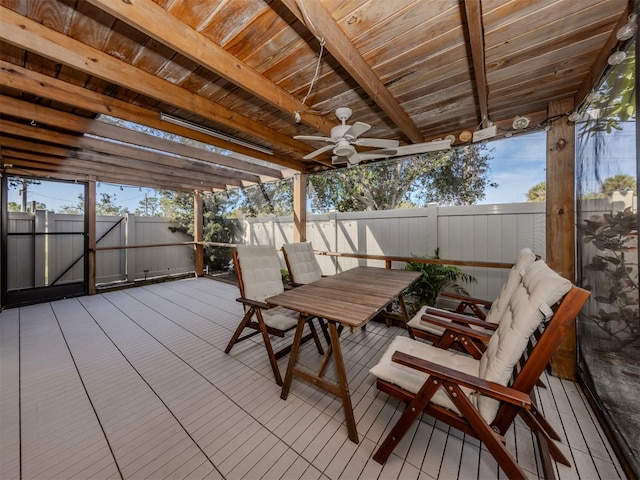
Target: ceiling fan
(344,140)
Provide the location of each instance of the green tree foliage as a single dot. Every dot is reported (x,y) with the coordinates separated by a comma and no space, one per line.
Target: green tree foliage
(455,177)
(13,207)
(149,207)
(178,206)
(218,227)
(273,198)
(537,193)
(77,209)
(619,182)
(106,205)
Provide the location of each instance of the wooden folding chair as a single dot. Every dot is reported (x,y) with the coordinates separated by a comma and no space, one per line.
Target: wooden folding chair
(303,268)
(301,262)
(484,321)
(259,277)
(482,397)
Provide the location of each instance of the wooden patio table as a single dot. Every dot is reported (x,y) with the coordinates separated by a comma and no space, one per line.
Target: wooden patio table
(347,299)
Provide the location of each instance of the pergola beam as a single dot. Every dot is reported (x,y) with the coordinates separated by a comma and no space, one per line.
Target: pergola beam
(23,32)
(321,24)
(55,118)
(153,20)
(171,165)
(475,29)
(40,85)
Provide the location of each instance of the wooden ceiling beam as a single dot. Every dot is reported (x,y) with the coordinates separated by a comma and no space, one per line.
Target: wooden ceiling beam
(168,163)
(320,22)
(29,146)
(148,17)
(475,30)
(68,121)
(16,166)
(109,167)
(23,32)
(40,85)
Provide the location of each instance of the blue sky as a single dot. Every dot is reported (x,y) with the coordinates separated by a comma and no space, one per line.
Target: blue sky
(518,164)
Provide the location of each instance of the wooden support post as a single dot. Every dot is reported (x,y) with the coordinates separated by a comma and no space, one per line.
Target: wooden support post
(198,228)
(90,205)
(560,219)
(300,207)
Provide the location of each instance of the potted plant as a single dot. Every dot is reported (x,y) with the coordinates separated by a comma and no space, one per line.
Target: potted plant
(435,277)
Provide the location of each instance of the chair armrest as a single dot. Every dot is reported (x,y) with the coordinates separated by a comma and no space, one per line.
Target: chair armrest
(490,389)
(457,328)
(466,299)
(254,303)
(460,318)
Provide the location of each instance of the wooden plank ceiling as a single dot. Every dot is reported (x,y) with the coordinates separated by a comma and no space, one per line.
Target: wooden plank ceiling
(415,70)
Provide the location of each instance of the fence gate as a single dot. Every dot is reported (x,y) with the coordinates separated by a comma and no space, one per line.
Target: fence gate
(43,253)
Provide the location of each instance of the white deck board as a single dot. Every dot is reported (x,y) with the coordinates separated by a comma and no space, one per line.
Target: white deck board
(136,384)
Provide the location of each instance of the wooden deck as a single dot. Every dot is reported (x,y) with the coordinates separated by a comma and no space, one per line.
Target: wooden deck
(135,384)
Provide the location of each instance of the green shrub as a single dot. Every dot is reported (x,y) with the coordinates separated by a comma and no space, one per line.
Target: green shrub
(434,278)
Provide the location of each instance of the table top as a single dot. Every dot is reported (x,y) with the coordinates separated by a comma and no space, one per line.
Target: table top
(352,297)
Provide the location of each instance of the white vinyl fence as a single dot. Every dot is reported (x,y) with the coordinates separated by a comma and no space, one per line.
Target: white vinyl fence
(483,233)
(488,233)
(140,263)
(36,261)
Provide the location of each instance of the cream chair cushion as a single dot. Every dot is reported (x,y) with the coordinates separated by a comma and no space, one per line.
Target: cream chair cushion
(531,303)
(302,262)
(280,318)
(525,258)
(540,288)
(260,269)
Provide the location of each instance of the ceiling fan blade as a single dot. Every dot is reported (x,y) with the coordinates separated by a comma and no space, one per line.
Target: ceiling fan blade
(311,137)
(365,157)
(377,142)
(317,152)
(356,130)
(353,159)
(336,160)
(424,147)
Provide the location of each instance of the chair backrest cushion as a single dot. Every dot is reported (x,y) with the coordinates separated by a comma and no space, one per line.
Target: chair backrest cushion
(302,263)
(260,271)
(540,289)
(525,258)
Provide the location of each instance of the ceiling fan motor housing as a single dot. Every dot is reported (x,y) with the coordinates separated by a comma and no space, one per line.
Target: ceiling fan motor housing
(343,148)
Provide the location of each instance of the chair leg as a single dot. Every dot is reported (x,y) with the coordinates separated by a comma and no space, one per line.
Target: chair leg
(407,418)
(267,344)
(485,433)
(543,435)
(241,326)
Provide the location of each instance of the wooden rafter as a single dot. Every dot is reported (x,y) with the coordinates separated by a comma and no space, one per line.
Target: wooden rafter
(321,23)
(153,20)
(20,31)
(50,88)
(55,118)
(125,154)
(475,29)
